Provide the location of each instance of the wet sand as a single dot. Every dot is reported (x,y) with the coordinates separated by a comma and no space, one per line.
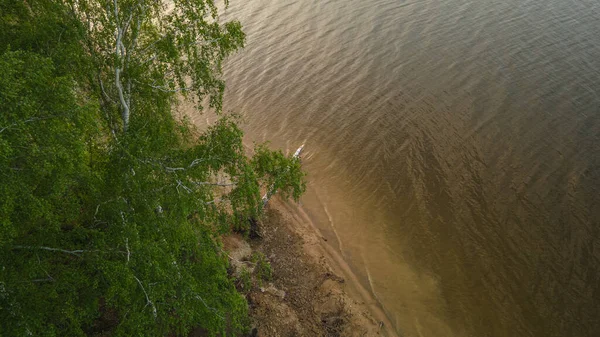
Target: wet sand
(313,291)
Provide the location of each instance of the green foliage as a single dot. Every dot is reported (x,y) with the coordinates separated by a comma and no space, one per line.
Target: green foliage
(46,132)
(262,267)
(44,27)
(110,208)
(244,280)
(283,174)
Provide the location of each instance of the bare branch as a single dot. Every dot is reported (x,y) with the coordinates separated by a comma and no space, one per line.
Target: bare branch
(187,189)
(125,112)
(148,302)
(7,127)
(116,12)
(213,201)
(44,270)
(174,169)
(198,161)
(209,308)
(127,247)
(77,252)
(223,184)
(106,96)
(48,279)
(119,51)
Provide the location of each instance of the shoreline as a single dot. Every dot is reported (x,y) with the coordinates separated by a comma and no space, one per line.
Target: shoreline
(313,291)
(354,287)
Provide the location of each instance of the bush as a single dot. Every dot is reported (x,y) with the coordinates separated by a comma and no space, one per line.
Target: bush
(262,267)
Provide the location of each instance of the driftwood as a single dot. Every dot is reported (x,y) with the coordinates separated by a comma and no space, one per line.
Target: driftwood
(272,190)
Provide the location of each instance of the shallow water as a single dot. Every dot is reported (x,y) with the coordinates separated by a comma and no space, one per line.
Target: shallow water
(452,148)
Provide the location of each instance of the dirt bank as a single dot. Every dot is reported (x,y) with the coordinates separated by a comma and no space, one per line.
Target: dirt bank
(311,291)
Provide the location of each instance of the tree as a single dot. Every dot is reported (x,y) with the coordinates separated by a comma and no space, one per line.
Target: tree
(110,207)
(145,48)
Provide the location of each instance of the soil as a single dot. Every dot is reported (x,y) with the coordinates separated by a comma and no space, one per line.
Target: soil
(305,296)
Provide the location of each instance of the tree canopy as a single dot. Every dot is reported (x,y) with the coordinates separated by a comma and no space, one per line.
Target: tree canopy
(111,206)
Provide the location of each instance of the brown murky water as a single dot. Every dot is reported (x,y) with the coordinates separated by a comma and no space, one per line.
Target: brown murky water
(453,151)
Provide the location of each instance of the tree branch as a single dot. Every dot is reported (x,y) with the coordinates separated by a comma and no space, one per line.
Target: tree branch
(77,252)
(198,161)
(174,169)
(127,247)
(163,89)
(119,50)
(223,184)
(272,190)
(148,302)
(33,119)
(209,308)
(213,201)
(187,189)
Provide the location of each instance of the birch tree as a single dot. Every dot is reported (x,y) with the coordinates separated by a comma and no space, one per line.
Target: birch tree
(111,209)
(150,47)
